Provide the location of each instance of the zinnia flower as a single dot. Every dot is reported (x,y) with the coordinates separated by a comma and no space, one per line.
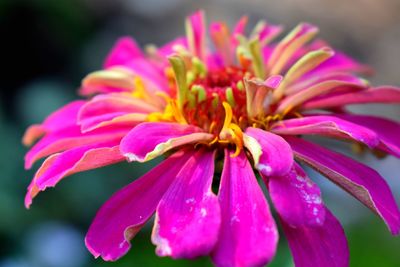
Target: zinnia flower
(245,106)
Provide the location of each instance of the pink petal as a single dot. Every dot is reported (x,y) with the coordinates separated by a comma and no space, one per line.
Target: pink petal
(188,216)
(388,131)
(33,133)
(248,235)
(320,246)
(296,198)
(341,62)
(362,182)
(328,126)
(153,77)
(124,50)
(168,49)
(310,80)
(219,33)
(125,213)
(60,165)
(114,120)
(385,94)
(269,32)
(69,138)
(151,139)
(287,48)
(103,108)
(196,22)
(239,29)
(276,155)
(326,87)
(60,119)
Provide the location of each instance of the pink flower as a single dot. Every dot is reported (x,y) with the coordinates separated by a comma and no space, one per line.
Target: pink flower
(245,104)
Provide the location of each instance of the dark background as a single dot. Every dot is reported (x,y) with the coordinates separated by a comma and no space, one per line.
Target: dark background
(48,46)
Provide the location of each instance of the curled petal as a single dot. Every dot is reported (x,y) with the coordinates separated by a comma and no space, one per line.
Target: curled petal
(271,153)
(125,213)
(359,180)
(60,165)
(248,235)
(149,140)
(296,198)
(319,246)
(328,126)
(258,94)
(188,216)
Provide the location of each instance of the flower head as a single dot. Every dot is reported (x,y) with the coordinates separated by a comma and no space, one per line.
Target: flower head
(247,103)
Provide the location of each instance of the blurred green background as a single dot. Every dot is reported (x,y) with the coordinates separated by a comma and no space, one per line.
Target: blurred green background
(47,46)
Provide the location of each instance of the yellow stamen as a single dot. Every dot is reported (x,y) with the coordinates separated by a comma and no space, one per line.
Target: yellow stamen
(140,90)
(163,95)
(171,113)
(212,126)
(213,141)
(231,132)
(176,112)
(228,115)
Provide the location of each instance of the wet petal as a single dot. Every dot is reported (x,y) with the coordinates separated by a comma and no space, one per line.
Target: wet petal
(149,140)
(248,235)
(387,130)
(188,216)
(328,126)
(385,94)
(362,182)
(60,165)
(296,198)
(271,153)
(321,246)
(125,213)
